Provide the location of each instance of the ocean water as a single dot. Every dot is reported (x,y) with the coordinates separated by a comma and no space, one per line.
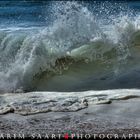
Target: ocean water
(57,55)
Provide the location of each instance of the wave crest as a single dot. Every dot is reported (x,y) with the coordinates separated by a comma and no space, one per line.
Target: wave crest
(76,36)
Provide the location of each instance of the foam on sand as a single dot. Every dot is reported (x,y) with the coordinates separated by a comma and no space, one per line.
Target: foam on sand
(39,102)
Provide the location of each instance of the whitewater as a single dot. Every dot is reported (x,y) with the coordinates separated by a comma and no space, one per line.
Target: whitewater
(82,57)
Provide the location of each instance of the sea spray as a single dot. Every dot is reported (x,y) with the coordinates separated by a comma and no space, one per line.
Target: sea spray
(76,40)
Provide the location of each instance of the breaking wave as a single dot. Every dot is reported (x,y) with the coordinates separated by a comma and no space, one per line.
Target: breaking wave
(79,43)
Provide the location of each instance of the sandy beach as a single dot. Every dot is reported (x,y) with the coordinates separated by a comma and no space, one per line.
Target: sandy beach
(120,118)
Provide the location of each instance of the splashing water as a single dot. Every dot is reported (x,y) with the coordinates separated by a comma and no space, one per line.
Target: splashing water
(91,40)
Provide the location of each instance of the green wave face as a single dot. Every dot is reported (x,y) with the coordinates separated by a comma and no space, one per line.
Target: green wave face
(98,65)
